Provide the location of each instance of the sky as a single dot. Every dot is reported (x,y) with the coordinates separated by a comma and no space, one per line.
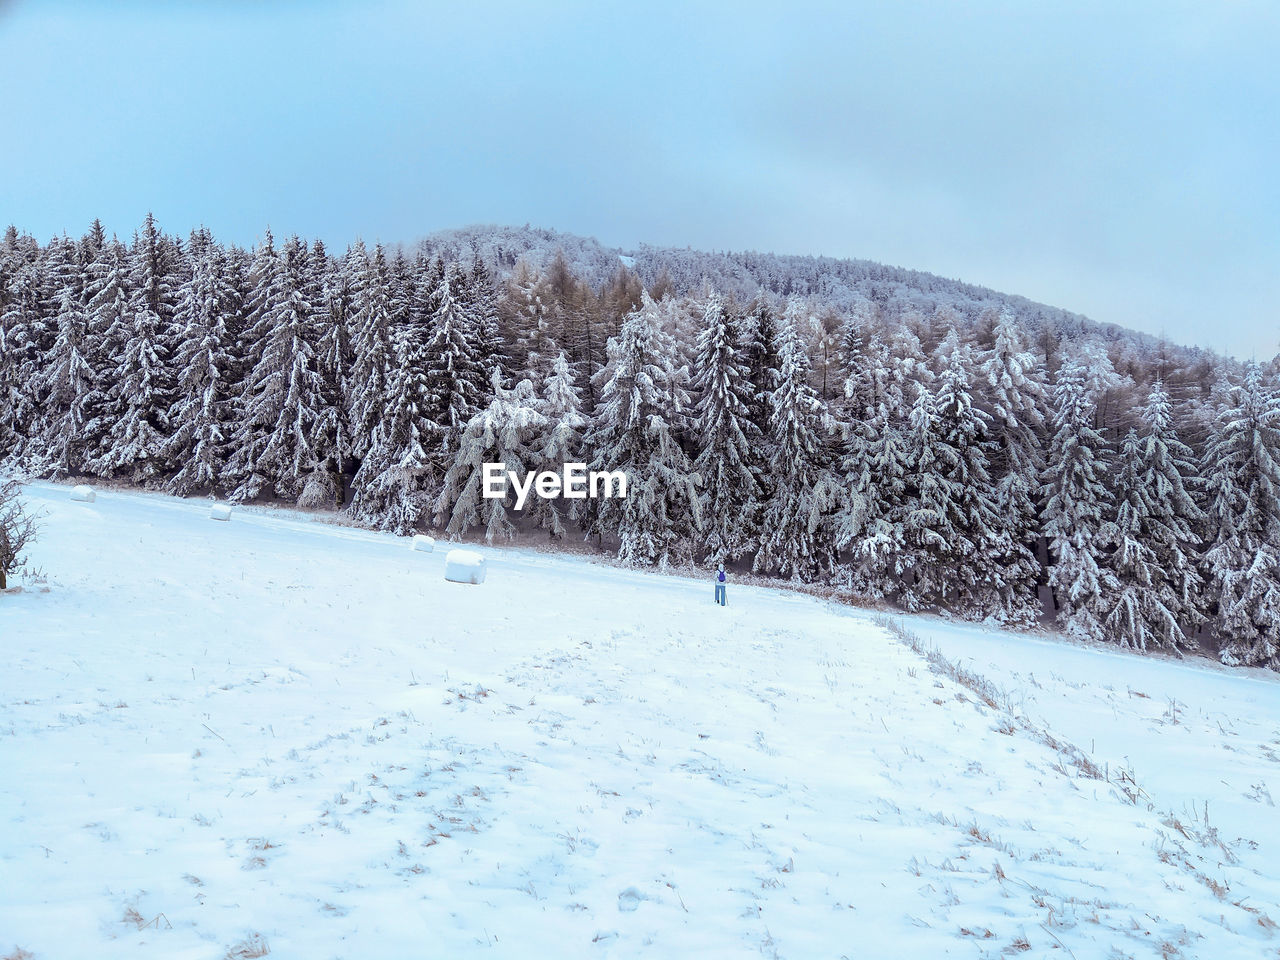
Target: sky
(1117,159)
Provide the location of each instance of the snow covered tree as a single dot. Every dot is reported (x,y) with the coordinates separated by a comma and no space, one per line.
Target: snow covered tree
(531,305)
(277,438)
(17,530)
(1139,615)
(1173,518)
(506,431)
(201,415)
(1077,505)
(1242,463)
(454,375)
(1011,380)
(391,488)
(632,433)
(759,339)
(974,579)
(874,495)
(482,303)
(371,331)
(65,379)
(731,491)
(560,444)
(20,325)
(795,539)
(138,400)
(333,291)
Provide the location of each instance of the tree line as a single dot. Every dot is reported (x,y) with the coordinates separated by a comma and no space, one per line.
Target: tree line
(974,464)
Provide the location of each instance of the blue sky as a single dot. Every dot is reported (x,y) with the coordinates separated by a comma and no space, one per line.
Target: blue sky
(1122,160)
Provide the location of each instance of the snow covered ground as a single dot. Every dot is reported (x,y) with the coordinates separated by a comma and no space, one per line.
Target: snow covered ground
(223,739)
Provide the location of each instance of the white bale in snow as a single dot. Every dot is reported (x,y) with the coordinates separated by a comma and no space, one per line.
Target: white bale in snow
(220,511)
(424,543)
(83,493)
(464,566)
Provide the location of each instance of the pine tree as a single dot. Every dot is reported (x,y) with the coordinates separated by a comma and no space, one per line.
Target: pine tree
(332,291)
(372,350)
(1014,392)
(632,433)
(1077,503)
(277,438)
(482,303)
(731,493)
(66,383)
(201,415)
(536,348)
(795,540)
(1138,615)
(506,431)
(137,402)
(974,580)
(1173,519)
(1242,464)
(455,379)
(391,488)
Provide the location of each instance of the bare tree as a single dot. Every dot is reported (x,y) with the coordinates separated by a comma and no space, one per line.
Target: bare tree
(17,530)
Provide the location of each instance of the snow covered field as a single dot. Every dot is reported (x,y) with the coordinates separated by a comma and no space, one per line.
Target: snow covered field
(223,739)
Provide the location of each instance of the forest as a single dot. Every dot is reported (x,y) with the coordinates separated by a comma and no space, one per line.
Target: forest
(899,438)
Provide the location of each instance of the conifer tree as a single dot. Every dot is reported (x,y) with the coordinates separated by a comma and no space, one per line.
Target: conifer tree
(1242,464)
(1077,504)
(201,415)
(66,382)
(372,350)
(278,435)
(455,379)
(1014,392)
(731,492)
(632,433)
(1139,615)
(506,431)
(795,539)
(391,488)
(560,444)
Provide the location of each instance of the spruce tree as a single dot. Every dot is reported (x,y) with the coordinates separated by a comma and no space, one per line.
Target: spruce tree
(372,350)
(201,415)
(561,443)
(795,539)
(279,432)
(455,378)
(731,493)
(506,431)
(1013,388)
(1242,464)
(391,490)
(65,381)
(632,433)
(1077,504)
(1138,612)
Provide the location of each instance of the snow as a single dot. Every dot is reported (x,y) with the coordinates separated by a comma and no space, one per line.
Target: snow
(464,566)
(83,493)
(220,511)
(423,543)
(322,752)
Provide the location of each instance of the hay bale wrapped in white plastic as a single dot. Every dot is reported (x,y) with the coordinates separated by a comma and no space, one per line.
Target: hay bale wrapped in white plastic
(220,511)
(464,566)
(83,493)
(424,543)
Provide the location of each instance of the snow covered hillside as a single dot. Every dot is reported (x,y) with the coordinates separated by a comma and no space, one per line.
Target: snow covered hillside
(279,737)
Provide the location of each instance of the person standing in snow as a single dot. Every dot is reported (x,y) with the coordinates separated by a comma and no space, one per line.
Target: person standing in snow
(720,585)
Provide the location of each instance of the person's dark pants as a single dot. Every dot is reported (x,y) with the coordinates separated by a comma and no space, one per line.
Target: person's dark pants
(720,594)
